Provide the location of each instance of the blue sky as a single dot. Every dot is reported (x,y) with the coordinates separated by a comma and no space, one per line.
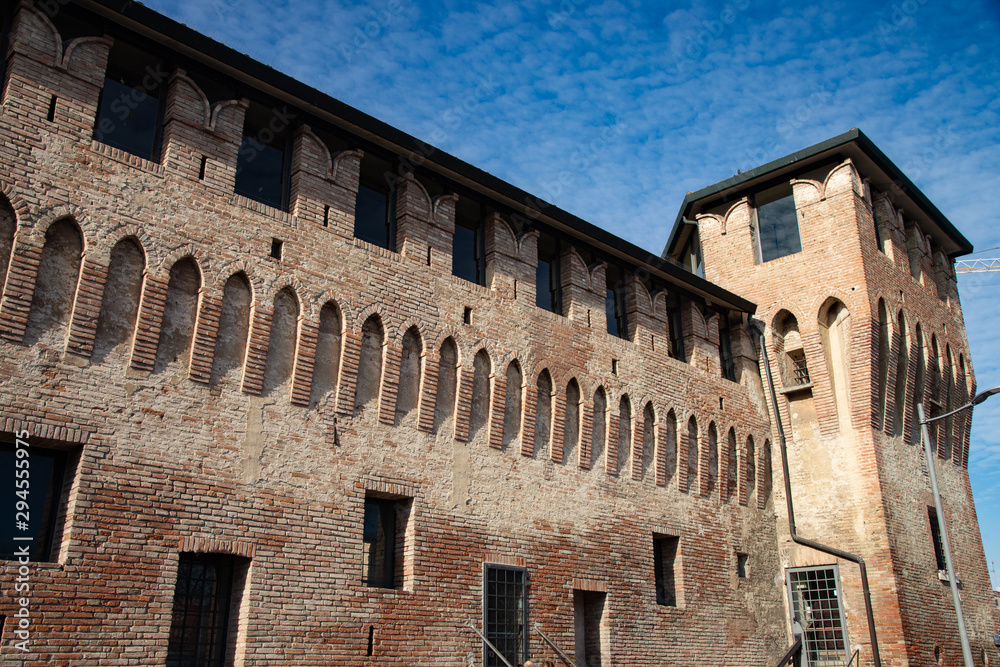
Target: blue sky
(614,109)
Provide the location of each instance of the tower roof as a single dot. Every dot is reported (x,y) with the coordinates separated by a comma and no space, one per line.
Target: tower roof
(870,161)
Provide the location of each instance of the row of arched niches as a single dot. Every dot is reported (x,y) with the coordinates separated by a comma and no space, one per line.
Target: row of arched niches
(117,312)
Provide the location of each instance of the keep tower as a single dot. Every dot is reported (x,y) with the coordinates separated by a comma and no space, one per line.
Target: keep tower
(852,268)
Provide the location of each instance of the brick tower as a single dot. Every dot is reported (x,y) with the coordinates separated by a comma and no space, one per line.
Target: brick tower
(853,271)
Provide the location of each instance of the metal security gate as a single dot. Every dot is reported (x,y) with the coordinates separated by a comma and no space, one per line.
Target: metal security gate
(814,593)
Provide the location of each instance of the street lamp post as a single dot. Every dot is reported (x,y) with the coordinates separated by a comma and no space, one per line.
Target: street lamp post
(925,437)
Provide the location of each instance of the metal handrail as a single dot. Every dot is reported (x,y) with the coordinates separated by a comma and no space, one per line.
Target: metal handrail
(493,648)
(562,656)
(853,656)
(792,650)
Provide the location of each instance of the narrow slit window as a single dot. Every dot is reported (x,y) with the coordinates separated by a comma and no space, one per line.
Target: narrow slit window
(469,242)
(548,281)
(665,549)
(375,209)
(614,302)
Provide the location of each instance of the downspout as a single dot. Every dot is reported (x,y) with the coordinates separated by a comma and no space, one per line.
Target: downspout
(833,551)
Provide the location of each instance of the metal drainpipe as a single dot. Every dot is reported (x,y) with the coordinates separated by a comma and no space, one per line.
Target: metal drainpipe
(833,551)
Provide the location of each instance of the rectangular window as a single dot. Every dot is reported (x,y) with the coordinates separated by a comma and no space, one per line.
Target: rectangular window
(375,206)
(505,614)
(726,360)
(800,371)
(384,536)
(936,539)
(742,565)
(262,164)
(675,326)
(664,564)
(614,303)
(468,249)
(38,479)
(130,109)
(777,230)
(209,587)
(548,281)
(814,593)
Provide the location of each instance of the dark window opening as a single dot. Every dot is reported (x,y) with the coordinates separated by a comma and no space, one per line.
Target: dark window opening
(936,539)
(691,256)
(276,246)
(726,359)
(262,165)
(614,303)
(468,250)
(814,593)
(384,530)
(675,327)
(742,564)
(130,109)
(548,281)
(614,367)
(505,610)
(203,603)
(201,169)
(371,640)
(51,116)
(37,478)
(777,224)
(375,206)
(467,315)
(326,215)
(800,371)
(664,562)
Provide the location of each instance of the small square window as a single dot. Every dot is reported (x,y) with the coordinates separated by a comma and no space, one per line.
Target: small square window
(385,524)
(41,479)
(276,246)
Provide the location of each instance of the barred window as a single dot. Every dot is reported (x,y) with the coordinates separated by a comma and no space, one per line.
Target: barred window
(505,608)
(203,604)
(816,606)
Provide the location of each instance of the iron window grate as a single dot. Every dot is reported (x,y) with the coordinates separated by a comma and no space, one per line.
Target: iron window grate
(506,614)
(816,606)
(199,631)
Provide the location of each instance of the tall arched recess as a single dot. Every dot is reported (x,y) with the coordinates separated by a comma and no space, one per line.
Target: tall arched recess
(794,370)
(8,225)
(444,401)
(55,287)
(902,368)
(370,365)
(410,376)
(835,330)
(282,341)
(234,328)
(179,313)
(482,392)
(883,365)
(120,304)
(513,404)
